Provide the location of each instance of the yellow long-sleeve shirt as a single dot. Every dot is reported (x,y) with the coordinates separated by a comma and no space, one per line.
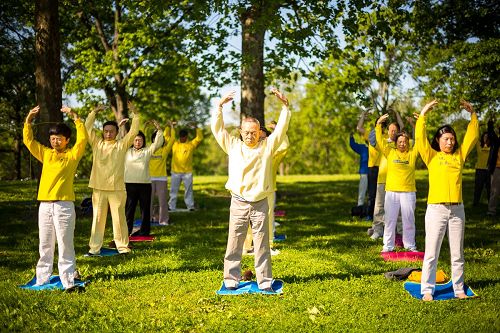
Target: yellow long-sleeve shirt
(482,156)
(250,169)
(374,155)
(182,154)
(279,155)
(58,171)
(108,157)
(137,162)
(158,161)
(400,165)
(445,170)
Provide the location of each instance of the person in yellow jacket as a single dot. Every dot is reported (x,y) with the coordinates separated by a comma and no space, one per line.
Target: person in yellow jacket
(482,177)
(250,183)
(56,213)
(181,169)
(107,180)
(400,190)
(158,173)
(445,209)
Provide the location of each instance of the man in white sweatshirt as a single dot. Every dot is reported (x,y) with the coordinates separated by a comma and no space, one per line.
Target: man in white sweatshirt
(250,182)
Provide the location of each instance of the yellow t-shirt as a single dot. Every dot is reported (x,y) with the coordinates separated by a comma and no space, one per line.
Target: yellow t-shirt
(482,156)
(58,171)
(182,154)
(400,165)
(374,156)
(158,161)
(445,170)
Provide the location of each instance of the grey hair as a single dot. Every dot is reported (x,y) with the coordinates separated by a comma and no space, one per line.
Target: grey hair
(250,120)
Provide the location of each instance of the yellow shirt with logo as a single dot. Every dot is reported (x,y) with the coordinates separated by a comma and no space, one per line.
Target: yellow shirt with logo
(58,171)
(445,170)
(400,165)
(182,154)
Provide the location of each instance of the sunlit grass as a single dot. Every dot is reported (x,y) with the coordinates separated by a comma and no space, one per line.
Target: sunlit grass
(331,269)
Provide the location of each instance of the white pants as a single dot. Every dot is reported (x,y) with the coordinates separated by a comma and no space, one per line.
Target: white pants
(56,220)
(379,212)
(439,218)
(363,186)
(393,202)
(175,181)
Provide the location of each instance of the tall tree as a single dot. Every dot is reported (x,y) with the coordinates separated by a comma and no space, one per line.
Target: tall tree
(123,49)
(47,65)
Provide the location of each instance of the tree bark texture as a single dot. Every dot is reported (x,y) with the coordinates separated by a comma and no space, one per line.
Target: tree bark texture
(252,64)
(47,67)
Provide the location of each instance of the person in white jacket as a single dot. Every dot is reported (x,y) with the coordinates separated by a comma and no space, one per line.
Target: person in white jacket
(250,182)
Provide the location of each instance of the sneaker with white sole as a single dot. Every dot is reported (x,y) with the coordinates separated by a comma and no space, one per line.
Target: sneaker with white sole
(376,235)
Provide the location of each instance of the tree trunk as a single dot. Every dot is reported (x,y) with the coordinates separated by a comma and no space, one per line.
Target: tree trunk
(252,64)
(47,67)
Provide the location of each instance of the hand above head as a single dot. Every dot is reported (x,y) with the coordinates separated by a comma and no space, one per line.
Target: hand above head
(122,122)
(32,114)
(280,96)
(131,107)
(467,106)
(69,112)
(227,98)
(428,107)
(99,108)
(382,119)
(156,125)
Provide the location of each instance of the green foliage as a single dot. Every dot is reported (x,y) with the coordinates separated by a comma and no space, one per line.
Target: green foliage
(332,271)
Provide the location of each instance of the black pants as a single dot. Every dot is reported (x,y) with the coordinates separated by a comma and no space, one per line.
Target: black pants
(481,180)
(138,193)
(372,189)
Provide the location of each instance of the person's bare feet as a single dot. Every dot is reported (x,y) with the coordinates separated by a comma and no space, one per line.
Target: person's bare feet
(427,297)
(461,296)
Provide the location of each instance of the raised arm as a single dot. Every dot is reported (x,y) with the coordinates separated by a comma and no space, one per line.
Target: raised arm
(35,147)
(472,133)
(217,123)
(361,122)
(381,143)
(279,133)
(199,136)
(421,142)
(158,141)
(128,139)
(81,133)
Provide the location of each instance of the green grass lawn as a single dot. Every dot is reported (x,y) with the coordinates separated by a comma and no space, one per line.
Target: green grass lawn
(332,271)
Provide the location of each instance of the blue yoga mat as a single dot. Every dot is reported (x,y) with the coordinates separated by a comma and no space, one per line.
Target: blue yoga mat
(251,287)
(105,252)
(441,292)
(279,238)
(54,284)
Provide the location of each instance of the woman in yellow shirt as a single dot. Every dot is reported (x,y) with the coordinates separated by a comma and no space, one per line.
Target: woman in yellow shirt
(400,190)
(482,178)
(445,210)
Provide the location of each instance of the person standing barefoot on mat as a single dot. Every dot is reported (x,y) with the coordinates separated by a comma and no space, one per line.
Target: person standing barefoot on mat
(445,209)
(250,183)
(56,213)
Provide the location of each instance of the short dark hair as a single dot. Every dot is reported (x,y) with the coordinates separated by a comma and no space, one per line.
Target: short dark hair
(395,124)
(143,138)
(183,133)
(440,131)
(112,123)
(60,129)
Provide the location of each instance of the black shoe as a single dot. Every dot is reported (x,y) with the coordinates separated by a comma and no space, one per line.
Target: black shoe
(139,233)
(88,254)
(231,288)
(192,209)
(75,289)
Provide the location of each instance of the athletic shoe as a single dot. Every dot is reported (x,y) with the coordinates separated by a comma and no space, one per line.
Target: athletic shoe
(412,249)
(376,235)
(275,252)
(88,254)
(369,232)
